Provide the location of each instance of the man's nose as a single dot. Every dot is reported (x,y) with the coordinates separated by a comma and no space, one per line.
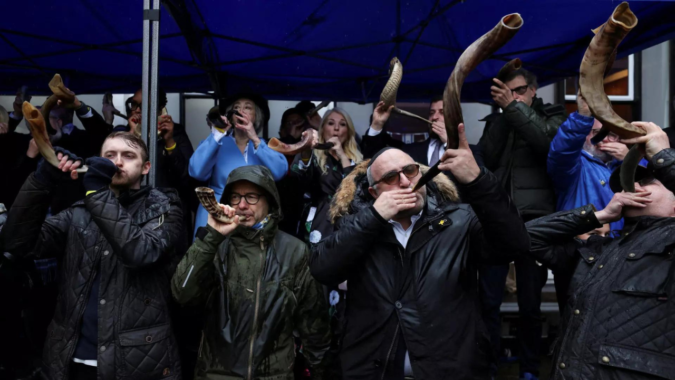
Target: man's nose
(242,204)
(403,182)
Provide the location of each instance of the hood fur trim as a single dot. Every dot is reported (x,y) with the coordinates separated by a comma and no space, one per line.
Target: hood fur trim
(341,204)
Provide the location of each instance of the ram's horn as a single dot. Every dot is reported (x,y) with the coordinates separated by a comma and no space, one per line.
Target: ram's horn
(595,64)
(38,129)
(4,116)
(60,92)
(508,68)
(292,149)
(390,90)
(478,51)
(207,197)
(318,108)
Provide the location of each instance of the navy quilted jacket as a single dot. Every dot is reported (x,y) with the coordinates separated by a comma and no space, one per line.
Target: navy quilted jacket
(132,239)
(620,315)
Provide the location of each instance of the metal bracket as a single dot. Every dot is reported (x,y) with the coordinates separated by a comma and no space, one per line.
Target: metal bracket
(151,14)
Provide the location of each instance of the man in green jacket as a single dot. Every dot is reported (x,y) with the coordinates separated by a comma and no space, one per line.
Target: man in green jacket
(255,283)
(515,146)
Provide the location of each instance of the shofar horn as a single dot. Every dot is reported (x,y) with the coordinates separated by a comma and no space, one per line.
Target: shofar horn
(60,91)
(478,51)
(38,130)
(318,108)
(598,56)
(291,149)
(207,197)
(390,90)
(508,68)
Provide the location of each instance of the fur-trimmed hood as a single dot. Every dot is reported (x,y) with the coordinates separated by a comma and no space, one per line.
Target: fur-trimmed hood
(352,195)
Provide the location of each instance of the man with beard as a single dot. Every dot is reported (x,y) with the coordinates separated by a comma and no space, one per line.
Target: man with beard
(579,170)
(255,285)
(117,250)
(411,260)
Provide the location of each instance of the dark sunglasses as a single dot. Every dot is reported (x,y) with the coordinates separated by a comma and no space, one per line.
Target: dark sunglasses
(394,177)
(132,105)
(251,198)
(520,90)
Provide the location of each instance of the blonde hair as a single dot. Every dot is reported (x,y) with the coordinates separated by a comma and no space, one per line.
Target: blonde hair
(350,147)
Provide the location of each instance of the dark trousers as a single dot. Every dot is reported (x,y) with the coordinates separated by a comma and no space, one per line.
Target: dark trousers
(80,371)
(530,279)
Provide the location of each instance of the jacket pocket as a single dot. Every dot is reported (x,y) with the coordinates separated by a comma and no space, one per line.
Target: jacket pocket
(146,353)
(645,274)
(637,359)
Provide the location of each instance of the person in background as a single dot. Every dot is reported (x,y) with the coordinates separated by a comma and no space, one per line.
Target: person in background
(117,249)
(291,128)
(515,145)
(427,152)
(219,154)
(320,172)
(254,283)
(13,147)
(305,107)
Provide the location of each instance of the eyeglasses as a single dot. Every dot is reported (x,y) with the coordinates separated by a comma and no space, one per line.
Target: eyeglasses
(132,104)
(610,137)
(251,198)
(394,177)
(521,90)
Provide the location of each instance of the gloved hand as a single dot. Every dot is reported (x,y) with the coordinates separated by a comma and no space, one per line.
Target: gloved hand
(50,174)
(100,173)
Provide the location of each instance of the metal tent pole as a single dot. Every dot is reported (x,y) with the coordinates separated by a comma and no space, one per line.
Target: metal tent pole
(150,77)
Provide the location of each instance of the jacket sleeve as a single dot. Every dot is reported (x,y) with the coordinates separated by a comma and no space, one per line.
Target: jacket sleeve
(196,274)
(552,237)
(536,130)
(176,168)
(373,144)
(204,159)
(664,167)
(26,233)
(273,160)
(97,129)
(136,246)
(333,257)
(311,318)
(564,156)
(493,141)
(13,123)
(306,174)
(500,224)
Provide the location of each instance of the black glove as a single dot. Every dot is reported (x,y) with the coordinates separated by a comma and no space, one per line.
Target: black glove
(50,174)
(100,173)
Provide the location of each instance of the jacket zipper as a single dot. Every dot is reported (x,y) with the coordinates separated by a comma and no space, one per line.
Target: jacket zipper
(201,345)
(386,362)
(257,302)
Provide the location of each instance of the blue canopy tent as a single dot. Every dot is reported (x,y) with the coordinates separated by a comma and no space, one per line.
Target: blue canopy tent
(320,49)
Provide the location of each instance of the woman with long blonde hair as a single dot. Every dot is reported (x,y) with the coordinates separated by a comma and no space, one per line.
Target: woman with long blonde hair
(320,172)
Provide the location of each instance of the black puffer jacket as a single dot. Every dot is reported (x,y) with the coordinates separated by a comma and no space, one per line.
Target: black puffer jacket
(423,297)
(515,147)
(620,320)
(132,240)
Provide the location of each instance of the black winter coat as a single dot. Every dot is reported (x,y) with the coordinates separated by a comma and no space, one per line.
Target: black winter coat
(132,240)
(619,321)
(423,298)
(515,147)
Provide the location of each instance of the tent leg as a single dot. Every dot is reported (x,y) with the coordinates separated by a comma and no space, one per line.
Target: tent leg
(150,77)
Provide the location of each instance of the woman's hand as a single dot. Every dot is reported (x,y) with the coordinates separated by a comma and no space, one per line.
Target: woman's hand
(244,124)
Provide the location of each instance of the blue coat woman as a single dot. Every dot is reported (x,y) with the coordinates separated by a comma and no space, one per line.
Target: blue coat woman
(239,145)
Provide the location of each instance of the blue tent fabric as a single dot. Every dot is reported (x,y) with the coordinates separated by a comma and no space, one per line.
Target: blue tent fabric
(321,49)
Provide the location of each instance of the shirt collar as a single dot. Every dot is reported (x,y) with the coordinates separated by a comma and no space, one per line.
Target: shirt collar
(413,220)
(68,128)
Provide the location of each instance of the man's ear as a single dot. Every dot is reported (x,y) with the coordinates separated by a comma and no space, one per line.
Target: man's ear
(146,168)
(373,192)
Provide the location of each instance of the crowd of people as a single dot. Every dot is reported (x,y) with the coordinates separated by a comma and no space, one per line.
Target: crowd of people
(326,264)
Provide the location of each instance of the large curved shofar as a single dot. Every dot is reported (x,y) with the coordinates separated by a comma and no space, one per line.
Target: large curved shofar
(390,90)
(478,51)
(38,129)
(599,55)
(207,197)
(60,92)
